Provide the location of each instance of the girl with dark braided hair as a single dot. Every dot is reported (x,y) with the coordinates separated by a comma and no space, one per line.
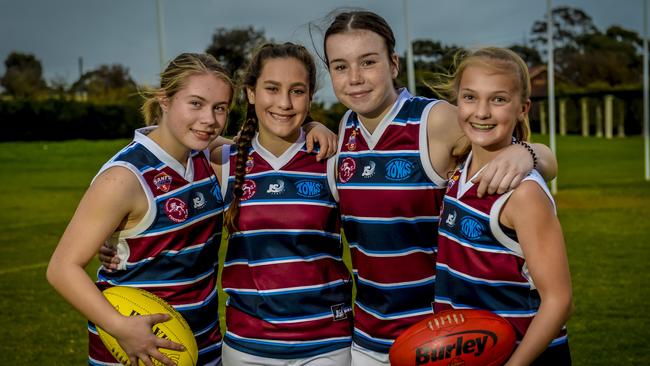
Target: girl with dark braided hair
(290,292)
(190,110)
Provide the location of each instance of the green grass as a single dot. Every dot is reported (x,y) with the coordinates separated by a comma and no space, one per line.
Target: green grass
(603,201)
(604,208)
(42,184)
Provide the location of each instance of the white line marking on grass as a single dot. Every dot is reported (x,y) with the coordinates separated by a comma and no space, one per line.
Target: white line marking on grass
(23,268)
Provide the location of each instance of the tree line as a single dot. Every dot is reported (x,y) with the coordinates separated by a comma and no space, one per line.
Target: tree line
(586,58)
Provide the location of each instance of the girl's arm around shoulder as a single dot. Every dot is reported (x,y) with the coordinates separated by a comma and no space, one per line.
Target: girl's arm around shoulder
(546,161)
(531,213)
(217,161)
(326,139)
(220,141)
(506,171)
(444,137)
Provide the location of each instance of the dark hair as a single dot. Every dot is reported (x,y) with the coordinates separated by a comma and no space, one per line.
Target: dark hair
(250,126)
(360,20)
(173,79)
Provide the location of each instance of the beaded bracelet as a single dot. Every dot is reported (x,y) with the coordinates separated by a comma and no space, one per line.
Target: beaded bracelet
(530,150)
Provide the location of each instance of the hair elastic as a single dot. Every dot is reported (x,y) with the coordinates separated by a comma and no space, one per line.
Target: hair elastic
(529,148)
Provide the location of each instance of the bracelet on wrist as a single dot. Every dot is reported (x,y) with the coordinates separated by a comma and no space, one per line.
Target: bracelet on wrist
(530,150)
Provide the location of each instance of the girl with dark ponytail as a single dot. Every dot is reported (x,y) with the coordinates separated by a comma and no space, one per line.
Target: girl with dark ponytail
(290,292)
(396,153)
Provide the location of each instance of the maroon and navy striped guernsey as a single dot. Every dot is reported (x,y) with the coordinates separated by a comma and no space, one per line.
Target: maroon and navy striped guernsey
(390,199)
(289,290)
(481,264)
(173,251)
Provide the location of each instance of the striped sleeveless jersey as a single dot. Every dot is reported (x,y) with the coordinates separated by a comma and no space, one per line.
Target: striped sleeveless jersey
(173,251)
(290,292)
(390,200)
(480,263)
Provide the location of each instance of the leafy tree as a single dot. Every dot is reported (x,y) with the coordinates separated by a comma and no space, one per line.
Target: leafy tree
(528,54)
(23,76)
(233,47)
(429,57)
(611,57)
(330,117)
(433,56)
(568,25)
(586,56)
(58,86)
(107,82)
(623,35)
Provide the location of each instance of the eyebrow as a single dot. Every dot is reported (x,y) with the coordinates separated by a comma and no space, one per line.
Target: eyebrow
(276,83)
(205,100)
(196,96)
(362,56)
(494,92)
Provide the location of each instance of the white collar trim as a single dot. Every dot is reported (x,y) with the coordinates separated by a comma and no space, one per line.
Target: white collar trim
(141,137)
(277,162)
(373,139)
(465,184)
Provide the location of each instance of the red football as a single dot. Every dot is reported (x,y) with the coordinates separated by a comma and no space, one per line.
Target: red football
(455,338)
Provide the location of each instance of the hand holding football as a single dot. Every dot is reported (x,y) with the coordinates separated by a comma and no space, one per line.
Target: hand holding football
(131,301)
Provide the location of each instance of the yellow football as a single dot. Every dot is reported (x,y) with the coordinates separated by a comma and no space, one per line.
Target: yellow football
(131,301)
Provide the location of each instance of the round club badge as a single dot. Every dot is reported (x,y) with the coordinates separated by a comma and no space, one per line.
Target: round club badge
(249,188)
(176,209)
(347,169)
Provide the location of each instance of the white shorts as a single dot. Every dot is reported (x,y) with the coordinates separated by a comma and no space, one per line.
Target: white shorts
(365,357)
(233,357)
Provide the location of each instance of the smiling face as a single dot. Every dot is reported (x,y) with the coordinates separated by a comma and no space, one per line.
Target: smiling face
(195,115)
(489,106)
(281,97)
(362,73)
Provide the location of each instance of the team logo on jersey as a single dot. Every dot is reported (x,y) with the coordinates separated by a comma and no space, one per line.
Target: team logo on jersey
(471,228)
(163,181)
(199,200)
(352,140)
(399,169)
(347,169)
(309,188)
(369,170)
(249,164)
(451,219)
(176,209)
(276,188)
(340,311)
(248,189)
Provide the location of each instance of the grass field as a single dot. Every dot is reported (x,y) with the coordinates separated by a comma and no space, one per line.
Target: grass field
(604,206)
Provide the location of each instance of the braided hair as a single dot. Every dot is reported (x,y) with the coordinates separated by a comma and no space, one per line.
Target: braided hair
(250,125)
